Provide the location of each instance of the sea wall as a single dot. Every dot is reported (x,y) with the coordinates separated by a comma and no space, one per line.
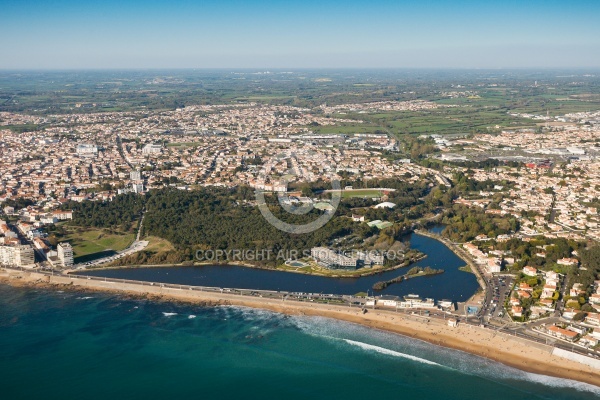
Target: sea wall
(142,288)
(580,358)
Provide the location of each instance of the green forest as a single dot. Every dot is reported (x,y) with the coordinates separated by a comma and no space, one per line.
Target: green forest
(120,213)
(218,218)
(215,218)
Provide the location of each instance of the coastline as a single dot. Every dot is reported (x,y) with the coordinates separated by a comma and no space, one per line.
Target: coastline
(512,351)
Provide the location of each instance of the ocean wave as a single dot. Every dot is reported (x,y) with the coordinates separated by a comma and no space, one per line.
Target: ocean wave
(470,364)
(381,350)
(84,298)
(561,383)
(252,315)
(192,316)
(169,314)
(249,322)
(399,345)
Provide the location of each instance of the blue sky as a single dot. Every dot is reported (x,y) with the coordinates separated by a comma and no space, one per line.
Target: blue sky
(57,34)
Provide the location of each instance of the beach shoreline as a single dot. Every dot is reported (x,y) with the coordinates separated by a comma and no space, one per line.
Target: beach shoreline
(499,347)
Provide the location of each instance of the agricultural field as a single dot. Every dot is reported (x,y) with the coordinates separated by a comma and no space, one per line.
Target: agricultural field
(481,100)
(347,129)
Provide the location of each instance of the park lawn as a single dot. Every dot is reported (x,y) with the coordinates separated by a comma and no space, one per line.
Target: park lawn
(361,193)
(88,241)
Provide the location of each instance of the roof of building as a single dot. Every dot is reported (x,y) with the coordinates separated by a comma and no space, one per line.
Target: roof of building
(385,204)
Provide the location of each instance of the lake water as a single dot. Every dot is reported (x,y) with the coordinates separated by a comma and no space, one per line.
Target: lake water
(453,284)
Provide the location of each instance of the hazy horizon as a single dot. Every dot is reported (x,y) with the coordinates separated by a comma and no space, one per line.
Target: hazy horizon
(267,69)
(439,34)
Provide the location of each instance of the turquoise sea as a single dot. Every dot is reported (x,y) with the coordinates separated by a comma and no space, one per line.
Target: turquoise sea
(81,345)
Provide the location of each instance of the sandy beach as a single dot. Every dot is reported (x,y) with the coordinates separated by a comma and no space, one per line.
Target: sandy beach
(506,349)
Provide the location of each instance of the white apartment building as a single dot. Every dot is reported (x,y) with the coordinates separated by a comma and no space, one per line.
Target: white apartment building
(135,175)
(62,215)
(87,149)
(20,256)
(151,148)
(65,254)
(137,188)
(330,258)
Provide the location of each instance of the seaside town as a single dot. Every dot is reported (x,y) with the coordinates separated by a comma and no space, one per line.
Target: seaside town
(551,175)
(197,145)
(300,200)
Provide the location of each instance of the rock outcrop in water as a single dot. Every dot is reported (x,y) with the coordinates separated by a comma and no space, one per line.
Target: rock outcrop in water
(412,273)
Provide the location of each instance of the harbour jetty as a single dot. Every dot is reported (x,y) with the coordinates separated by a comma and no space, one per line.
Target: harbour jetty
(413,273)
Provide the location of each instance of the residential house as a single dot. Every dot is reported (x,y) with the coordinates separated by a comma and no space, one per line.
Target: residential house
(592,319)
(517,311)
(562,333)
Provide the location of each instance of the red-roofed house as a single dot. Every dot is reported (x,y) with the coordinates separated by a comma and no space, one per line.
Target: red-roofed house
(517,311)
(562,333)
(524,294)
(547,302)
(525,286)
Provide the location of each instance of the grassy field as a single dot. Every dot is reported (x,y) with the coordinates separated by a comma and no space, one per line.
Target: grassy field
(466,119)
(465,268)
(346,129)
(447,121)
(487,113)
(91,243)
(361,193)
(158,245)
